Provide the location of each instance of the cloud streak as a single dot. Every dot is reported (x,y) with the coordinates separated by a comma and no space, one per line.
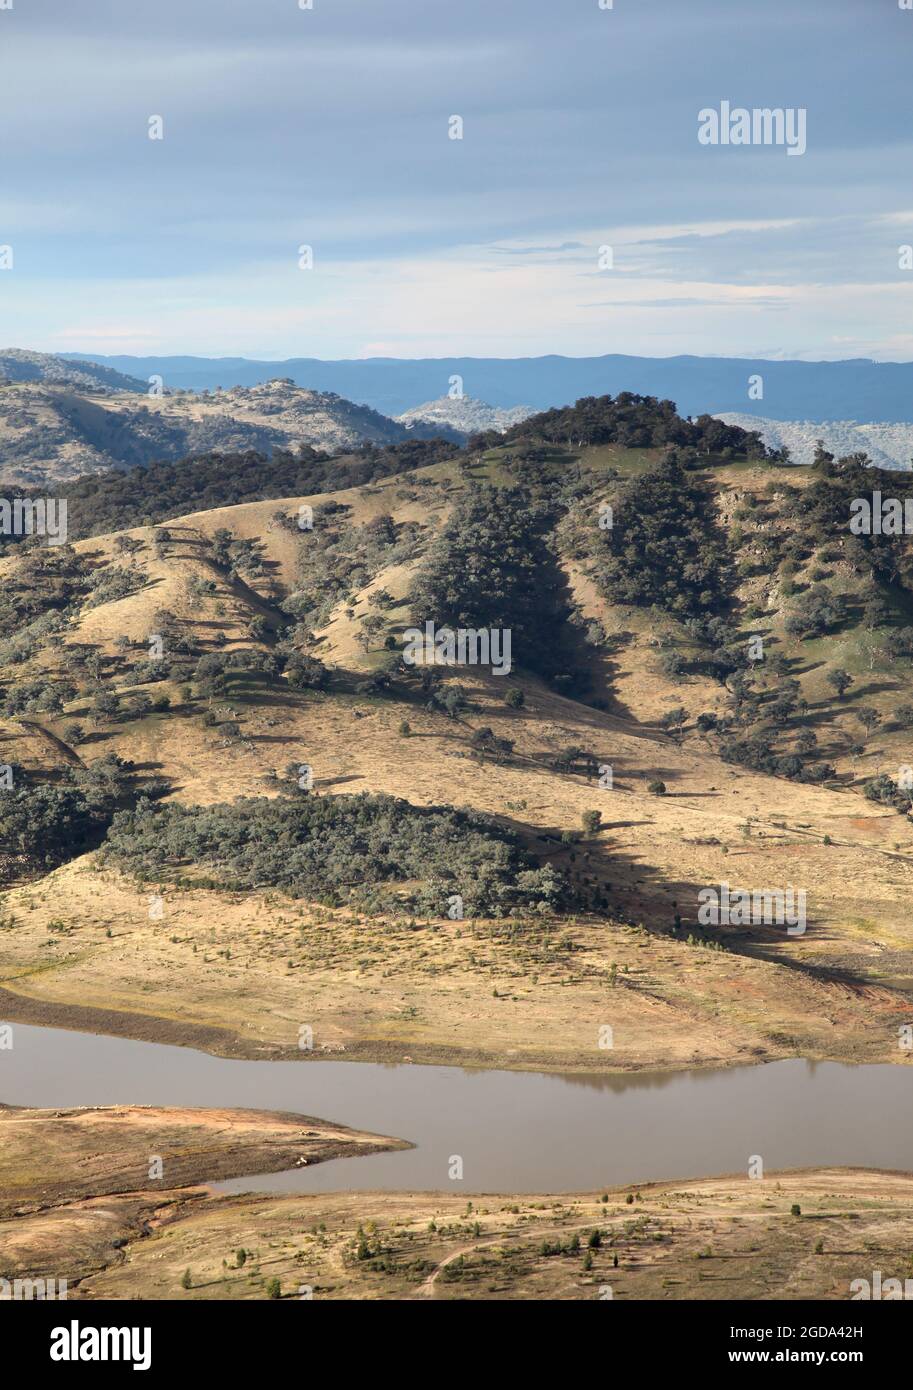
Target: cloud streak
(330,127)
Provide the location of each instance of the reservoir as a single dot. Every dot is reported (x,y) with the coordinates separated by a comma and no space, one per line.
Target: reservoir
(513,1131)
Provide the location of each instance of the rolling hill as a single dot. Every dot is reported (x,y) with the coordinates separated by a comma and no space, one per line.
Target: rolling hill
(54,430)
(887,445)
(19,364)
(154,674)
(465,414)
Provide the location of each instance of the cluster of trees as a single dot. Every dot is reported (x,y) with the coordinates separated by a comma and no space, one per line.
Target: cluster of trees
(492,567)
(758,752)
(38,695)
(211,674)
(816,611)
(825,507)
(44,582)
(48,824)
(111,583)
(638,422)
(244,556)
(665,546)
(885,790)
(332,849)
(337,559)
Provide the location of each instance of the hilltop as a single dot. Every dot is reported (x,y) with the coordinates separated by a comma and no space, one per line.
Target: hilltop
(465,414)
(738,661)
(18,364)
(54,431)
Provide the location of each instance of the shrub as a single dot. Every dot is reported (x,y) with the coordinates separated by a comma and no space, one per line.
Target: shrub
(816,612)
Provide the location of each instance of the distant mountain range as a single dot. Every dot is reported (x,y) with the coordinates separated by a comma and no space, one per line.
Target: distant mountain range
(857,389)
(63,417)
(887,445)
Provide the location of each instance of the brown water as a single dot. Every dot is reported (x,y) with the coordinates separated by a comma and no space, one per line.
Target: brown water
(514,1131)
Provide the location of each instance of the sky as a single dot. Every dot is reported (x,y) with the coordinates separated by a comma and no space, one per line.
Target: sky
(286,127)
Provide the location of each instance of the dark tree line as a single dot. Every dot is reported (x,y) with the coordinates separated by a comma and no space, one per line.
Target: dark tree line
(665,546)
(332,848)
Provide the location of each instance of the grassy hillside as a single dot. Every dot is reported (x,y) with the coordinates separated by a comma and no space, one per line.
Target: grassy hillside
(233,652)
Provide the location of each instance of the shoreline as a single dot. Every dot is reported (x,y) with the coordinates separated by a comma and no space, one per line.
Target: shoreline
(222,1042)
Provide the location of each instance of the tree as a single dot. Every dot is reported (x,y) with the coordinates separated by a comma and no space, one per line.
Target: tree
(371,625)
(806,741)
(672,664)
(674,720)
(886,791)
(221,546)
(840,680)
(592,822)
(105,705)
(869,719)
(306,672)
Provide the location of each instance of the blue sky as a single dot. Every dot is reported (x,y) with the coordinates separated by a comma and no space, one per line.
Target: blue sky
(329,127)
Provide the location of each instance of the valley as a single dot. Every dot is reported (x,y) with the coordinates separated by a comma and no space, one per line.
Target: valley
(236,818)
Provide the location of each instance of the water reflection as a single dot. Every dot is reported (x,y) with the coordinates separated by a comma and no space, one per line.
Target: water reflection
(515,1131)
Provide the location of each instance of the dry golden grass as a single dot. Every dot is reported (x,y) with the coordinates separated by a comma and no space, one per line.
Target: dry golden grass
(449,990)
(726,1238)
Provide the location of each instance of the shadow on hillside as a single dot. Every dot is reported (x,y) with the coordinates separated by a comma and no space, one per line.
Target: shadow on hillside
(613,884)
